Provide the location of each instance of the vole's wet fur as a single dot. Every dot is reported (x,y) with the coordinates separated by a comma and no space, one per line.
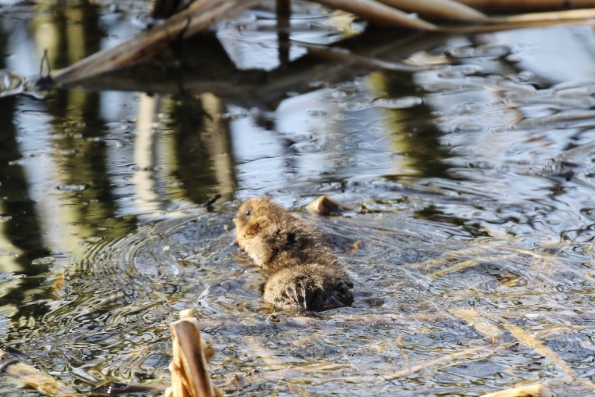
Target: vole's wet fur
(304,272)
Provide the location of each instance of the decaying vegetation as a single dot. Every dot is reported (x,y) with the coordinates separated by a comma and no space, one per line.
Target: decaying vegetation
(446,16)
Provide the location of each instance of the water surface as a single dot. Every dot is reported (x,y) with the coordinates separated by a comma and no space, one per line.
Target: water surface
(470,239)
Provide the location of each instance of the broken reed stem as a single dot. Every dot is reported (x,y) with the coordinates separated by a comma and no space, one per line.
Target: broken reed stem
(438,9)
(190,376)
(553,16)
(546,352)
(202,14)
(199,16)
(467,353)
(511,5)
(388,12)
(379,13)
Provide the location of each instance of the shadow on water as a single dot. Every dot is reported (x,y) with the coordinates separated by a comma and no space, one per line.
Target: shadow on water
(470,178)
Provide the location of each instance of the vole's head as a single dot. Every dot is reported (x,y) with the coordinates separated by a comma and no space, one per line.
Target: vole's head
(254,215)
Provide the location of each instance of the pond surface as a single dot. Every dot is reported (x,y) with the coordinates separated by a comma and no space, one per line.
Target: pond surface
(471,180)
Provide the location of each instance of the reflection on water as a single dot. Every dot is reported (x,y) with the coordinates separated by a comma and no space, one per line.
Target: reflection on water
(470,242)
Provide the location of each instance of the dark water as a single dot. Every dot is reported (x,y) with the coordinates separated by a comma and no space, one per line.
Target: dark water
(470,243)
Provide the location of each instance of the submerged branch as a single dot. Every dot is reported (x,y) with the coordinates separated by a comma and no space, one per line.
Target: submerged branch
(11,365)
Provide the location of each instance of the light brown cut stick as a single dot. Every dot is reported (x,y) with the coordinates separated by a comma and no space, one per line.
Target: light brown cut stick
(379,13)
(533,5)
(438,9)
(190,375)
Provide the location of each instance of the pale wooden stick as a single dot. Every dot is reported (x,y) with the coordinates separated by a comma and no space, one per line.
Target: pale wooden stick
(528,4)
(567,15)
(379,13)
(439,9)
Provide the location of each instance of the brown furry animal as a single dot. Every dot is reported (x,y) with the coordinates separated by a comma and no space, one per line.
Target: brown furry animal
(304,272)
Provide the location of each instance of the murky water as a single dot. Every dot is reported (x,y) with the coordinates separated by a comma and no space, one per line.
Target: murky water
(470,241)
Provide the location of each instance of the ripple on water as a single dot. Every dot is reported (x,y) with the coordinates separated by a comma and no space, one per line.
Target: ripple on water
(117,127)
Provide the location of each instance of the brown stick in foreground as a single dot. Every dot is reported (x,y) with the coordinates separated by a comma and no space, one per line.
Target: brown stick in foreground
(189,372)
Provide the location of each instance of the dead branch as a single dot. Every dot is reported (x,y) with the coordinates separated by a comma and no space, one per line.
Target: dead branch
(199,16)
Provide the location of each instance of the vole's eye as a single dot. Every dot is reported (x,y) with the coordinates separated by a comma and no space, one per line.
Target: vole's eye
(248,212)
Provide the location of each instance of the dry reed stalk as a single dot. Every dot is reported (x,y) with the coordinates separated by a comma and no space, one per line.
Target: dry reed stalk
(199,16)
(449,256)
(449,359)
(524,391)
(379,13)
(482,325)
(11,365)
(540,348)
(439,9)
(190,376)
(554,16)
(284,373)
(457,267)
(498,27)
(509,5)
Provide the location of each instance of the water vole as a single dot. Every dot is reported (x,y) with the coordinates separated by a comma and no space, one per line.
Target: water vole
(304,272)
